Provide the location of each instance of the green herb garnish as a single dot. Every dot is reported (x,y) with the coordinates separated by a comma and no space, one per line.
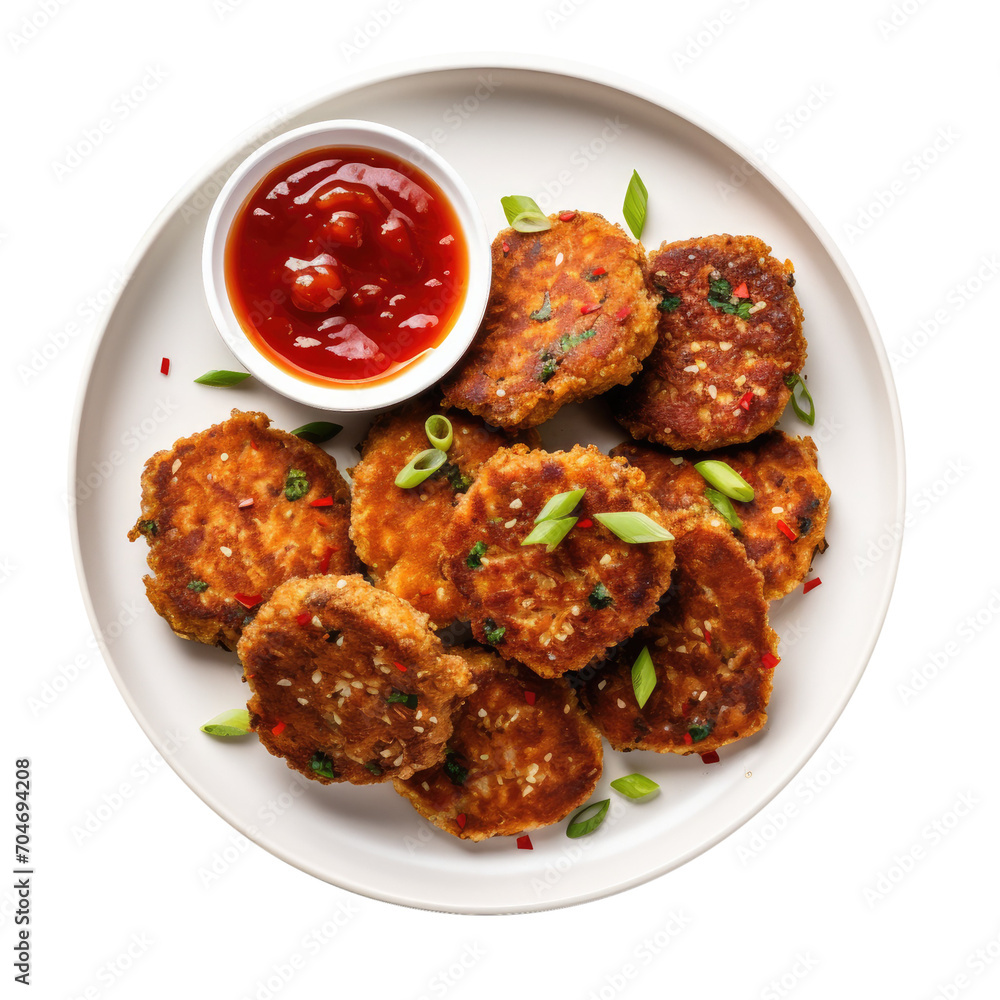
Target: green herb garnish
(643,676)
(296,484)
(402,698)
(524,214)
(634,527)
(725,479)
(235,722)
(323,766)
(808,416)
(724,506)
(570,340)
(198,586)
(474,560)
(459,481)
(544,313)
(372,766)
(221,378)
(549,366)
(698,733)
(600,597)
(492,632)
(566,343)
(150,528)
(720,295)
(454,771)
(318,431)
(420,467)
(634,209)
(635,786)
(580,826)
(668,303)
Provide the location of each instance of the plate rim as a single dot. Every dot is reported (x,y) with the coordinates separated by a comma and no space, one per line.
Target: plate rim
(560,68)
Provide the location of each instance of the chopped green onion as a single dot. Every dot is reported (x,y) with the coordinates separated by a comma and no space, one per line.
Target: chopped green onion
(323,765)
(420,467)
(409,700)
(296,484)
(459,481)
(579,827)
(235,722)
(720,295)
(791,381)
(439,432)
(222,378)
(524,214)
(698,733)
(643,676)
(669,302)
(492,632)
(372,766)
(198,586)
(725,479)
(318,431)
(599,597)
(544,312)
(149,528)
(724,506)
(635,786)
(560,505)
(634,208)
(455,772)
(474,560)
(550,533)
(635,528)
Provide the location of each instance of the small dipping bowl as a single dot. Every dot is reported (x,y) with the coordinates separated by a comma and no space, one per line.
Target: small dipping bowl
(401,379)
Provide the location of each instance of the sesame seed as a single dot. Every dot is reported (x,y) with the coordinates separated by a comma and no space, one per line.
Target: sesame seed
(693,369)
(777,510)
(501,392)
(605,559)
(677,460)
(703,696)
(600,687)
(702,365)
(315,621)
(559,259)
(690,256)
(510,523)
(681,649)
(357,684)
(302,701)
(226,550)
(224,457)
(499,780)
(484,756)
(337,718)
(515,504)
(398,761)
(316,677)
(547,757)
(418,729)
(340,640)
(695,346)
(575,610)
(386,753)
(525,790)
(433,720)
(284,683)
(530,780)
(712,391)
(741,379)
(566,709)
(715,522)
(425,786)
(341,584)
(621,704)
(724,345)
(482,713)
(175,466)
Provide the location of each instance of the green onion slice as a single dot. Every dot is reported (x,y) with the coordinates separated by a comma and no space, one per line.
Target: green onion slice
(524,214)
(439,431)
(580,827)
(643,676)
(724,506)
(235,722)
(634,208)
(222,378)
(318,431)
(420,467)
(725,479)
(492,632)
(550,533)
(635,528)
(560,505)
(296,484)
(791,381)
(402,698)
(635,786)
(322,765)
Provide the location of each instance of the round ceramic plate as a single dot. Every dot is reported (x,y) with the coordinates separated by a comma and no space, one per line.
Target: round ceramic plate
(571,141)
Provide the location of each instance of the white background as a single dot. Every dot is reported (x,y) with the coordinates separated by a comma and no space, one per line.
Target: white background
(876,870)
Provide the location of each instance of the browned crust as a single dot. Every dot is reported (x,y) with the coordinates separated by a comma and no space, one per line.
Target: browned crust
(674,406)
(713,582)
(398,532)
(500,377)
(530,763)
(541,599)
(192,495)
(345,662)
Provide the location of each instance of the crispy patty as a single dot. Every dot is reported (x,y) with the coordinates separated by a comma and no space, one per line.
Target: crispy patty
(788,488)
(717,373)
(706,642)
(568,317)
(398,532)
(348,682)
(523,756)
(554,611)
(215,558)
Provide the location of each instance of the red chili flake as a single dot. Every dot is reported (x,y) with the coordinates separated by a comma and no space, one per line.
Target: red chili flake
(524,843)
(322,502)
(746,399)
(249,600)
(741,291)
(529,697)
(506,247)
(587,310)
(322,522)
(460,820)
(253,444)
(566,216)
(165,366)
(711,757)
(278,729)
(623,314)
(598,271)
(303,618)
(324,563)
(769,661)
(248,502)
(688,739)
(811,585)
(399,665)
(585,522)
(786,531)
(708,637)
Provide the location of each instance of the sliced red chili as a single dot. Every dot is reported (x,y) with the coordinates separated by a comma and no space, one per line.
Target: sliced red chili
(623,314)
(741,291)
(746,399)
(322,502)
(506,247)
(324,563)
(303,618)
(708,637)
(529,697)
(399,665)
(253,444)
(786,531)
(524,843)
(598,271)
(249,600)
(584,522)
(566,216)
(811,585)
(165,366)
(711,757)
(769,661)
(278,729)
(460,820)
(688,739)
(587,310)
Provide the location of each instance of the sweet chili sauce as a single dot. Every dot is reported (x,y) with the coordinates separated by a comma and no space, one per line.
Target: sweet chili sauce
(345,263)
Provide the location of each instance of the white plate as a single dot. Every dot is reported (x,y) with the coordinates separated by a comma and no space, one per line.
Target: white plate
(507,129)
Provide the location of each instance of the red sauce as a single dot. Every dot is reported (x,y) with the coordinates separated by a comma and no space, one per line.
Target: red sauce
(346,263)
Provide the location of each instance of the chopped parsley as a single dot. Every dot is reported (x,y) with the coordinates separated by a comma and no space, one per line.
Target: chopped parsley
(198,586)
(372,766)
(698,733)
(296,484)
(474,560)
(150,528)
(544,313)
(551,357)
(570,340)
(409,700)
(669,302)
(459,481)
(322,765)
(720,294)
(549,366)
(492,632)
(600,598)
(455,772)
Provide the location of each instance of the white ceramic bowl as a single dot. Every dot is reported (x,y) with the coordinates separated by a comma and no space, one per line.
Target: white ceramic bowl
(419,374)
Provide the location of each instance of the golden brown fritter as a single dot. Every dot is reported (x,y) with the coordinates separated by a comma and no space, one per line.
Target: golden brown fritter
(524,756)
(214,560)
(568,317)
(707,642)
(546,609)
(398,532)
(787,488)
(730,333)
(348,682)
